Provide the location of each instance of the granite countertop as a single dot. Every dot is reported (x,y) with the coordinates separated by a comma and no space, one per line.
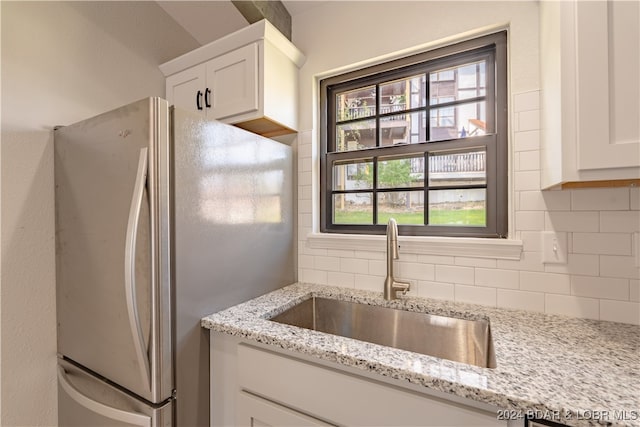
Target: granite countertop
(573,371)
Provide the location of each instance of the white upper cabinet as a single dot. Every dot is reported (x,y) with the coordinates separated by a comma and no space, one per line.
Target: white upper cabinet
(233,82)
(248,78)
(590,78)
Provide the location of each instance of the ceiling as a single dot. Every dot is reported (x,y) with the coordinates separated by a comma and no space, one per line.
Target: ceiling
(207,21)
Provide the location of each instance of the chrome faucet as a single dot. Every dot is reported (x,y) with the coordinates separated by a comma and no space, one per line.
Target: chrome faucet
(391,285)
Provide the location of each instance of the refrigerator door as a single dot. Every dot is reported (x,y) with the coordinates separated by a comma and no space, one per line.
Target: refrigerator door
(112,249)
(85,401)
(233,237)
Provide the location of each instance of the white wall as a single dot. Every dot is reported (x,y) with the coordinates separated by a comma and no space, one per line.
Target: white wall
(61,62)
(601,279)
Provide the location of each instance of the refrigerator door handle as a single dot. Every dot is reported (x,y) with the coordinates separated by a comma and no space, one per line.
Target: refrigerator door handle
(100,408)
(129,266)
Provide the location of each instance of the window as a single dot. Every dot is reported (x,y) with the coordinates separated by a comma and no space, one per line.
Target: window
(422,139)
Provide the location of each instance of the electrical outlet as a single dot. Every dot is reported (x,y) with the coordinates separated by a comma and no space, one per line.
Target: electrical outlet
(554,247)
(636,244)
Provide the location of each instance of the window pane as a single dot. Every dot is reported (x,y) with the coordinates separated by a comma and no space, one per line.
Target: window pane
(456,168)
(458,121)
(353,175)
(458,207)
(403,129)
(407,207)
(401,172)
(355,104)
(466,81)
(356,136)
(404,94)
(353,208)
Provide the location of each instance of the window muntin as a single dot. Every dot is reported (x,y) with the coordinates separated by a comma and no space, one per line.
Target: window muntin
(378,141)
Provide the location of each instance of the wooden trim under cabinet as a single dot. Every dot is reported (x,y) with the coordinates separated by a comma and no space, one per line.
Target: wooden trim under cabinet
(601,184)
(266,127)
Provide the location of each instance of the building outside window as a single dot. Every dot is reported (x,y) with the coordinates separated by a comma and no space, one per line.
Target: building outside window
(381,157)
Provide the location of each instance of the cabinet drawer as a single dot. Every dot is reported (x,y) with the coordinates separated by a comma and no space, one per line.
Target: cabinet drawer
(257,412)
(346,399)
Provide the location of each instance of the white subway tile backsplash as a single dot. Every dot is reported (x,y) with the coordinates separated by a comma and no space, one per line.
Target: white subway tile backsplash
(600,287)
(476,295)
(341,253)
(304,206)
(602,243)
(600,199)
(585,265)
(305,137)
(305,261)
(545,282)
(436,290)
(545,200)
(307,192)
(404,257)
(495,278)
(370,255)
(620,221)
(634,198)
(414,270)
(634,290)
(454,274)
(377,267)
(528,160)
(529,261)
(528,120)
(305,151)
(314,276)
(304,220)
(305,178)
(327,263)
(344,280)
(572,306)
(526,101)
(304,165)
(619,266)
(527,180)
(368,283)
(530,221)
(354,265)
(531,241)
(476,262)
(526,141)
(306,250)
(572,221)
(435,259)
(620,311)
(520,300)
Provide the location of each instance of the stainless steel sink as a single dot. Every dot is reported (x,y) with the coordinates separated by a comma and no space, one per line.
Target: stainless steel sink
(460,340)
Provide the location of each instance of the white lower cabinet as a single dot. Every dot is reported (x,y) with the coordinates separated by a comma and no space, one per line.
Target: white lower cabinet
(281,389)
(254,411)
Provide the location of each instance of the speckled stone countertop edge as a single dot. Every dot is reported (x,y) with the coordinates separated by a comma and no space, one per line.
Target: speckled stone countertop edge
(526,343)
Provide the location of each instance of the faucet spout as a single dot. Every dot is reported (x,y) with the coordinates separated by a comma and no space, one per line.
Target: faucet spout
(392,286)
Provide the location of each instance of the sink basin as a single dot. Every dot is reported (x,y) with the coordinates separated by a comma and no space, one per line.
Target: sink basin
(460,340)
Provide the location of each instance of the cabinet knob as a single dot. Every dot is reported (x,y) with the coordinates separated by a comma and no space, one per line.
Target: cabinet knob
(206,98)
(199,100)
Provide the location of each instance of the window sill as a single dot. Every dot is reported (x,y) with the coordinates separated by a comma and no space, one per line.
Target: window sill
(451,246)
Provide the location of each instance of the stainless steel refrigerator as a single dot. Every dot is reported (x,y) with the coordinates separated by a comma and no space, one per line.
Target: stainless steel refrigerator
(162,217)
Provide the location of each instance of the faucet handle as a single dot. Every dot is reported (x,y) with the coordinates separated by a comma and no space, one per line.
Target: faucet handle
(401,287)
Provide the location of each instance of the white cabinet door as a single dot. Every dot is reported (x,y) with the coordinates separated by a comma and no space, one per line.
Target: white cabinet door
(186,89)
(233,81)
(349,400)
(608,84)
(256,412)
